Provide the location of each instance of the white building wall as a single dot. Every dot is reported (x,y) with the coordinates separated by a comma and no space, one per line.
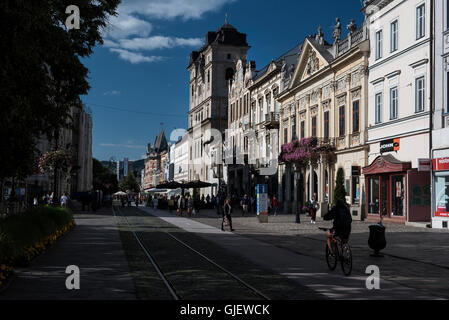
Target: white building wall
(400,69)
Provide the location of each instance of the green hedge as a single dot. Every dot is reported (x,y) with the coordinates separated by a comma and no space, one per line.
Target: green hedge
(25,229)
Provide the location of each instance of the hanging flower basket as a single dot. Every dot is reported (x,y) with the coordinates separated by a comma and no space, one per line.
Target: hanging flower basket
(52,160)
(307,151)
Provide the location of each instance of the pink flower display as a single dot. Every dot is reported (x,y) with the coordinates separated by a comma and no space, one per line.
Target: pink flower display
(306,151)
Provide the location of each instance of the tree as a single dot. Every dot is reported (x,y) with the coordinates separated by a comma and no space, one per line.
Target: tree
(340,191)
(130,183)
(41,73)
(103,178)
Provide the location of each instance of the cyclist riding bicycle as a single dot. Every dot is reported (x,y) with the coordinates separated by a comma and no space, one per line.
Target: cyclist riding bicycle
(341,225)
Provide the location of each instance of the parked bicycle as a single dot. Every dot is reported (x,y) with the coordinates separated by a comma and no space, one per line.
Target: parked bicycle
(341,251)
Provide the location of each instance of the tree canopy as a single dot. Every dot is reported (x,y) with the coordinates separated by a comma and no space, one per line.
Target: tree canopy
(340,191)
(129,183)
(41,73)
(103,178)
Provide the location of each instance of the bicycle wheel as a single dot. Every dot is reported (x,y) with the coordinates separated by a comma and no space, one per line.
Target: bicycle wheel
(346,259)
(332,259)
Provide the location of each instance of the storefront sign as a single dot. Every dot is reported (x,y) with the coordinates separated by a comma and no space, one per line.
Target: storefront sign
(390,145)
(441,164)
(424,164)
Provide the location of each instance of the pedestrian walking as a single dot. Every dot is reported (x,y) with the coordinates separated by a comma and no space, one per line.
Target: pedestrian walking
(245,204)
(227,214)
(275,205)
(64,200)
(155,202)
(181,205)
(314,206)
(189,206)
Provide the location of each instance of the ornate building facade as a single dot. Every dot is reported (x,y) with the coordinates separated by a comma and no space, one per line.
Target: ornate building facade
(154,168)
(327,99)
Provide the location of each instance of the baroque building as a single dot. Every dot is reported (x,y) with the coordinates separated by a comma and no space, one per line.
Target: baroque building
(154,169)
(327,99)
(210,69)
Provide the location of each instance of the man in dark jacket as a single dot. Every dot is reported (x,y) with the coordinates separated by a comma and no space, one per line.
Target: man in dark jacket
(227,212)
(342,220)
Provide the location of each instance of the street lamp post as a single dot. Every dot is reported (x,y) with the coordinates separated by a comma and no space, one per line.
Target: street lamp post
(298,207)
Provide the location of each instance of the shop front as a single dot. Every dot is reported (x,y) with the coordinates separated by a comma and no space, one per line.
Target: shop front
(396,192)
(440,217)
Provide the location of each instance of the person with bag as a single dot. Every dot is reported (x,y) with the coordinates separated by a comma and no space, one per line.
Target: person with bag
(189,206)
(245,205)
(181,205)
(314,206)
(227,212)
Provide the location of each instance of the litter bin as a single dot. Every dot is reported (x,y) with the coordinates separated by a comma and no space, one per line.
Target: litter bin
(377,239)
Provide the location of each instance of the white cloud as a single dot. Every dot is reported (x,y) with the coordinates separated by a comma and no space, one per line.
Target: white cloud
(125,25)
(110,44)
(169,9)
(112,93)
(135,57)
(130,29)
(159,42)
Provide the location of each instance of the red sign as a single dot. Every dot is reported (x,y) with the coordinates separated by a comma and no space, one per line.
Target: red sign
(442,214)
(441,164)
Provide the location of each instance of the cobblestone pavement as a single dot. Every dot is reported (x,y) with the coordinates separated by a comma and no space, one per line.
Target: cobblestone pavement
(414,257)
(94,246)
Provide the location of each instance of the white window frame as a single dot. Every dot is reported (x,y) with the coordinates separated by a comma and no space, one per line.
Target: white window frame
(378,43)
(394,36)
(378,113)
(417,25)
(394,88)
(417,78)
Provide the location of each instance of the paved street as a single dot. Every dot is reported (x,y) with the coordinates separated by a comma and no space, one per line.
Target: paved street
(281,259)
(414,257)
(94,246)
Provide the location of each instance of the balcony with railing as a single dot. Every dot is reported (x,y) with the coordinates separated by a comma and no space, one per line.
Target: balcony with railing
(353,39)
(272,120)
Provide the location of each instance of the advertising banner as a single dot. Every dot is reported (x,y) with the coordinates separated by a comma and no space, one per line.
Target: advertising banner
(390,145)
(262,199)
(441,164)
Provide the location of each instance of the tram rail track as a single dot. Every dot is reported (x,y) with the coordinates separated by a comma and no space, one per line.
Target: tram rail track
(171,287)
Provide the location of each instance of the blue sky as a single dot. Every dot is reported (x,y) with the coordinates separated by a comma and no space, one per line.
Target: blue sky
(139,77)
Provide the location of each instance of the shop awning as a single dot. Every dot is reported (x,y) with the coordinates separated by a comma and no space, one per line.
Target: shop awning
(386,164)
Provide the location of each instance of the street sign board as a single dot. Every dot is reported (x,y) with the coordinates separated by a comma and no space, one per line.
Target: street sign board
(441,164)
(262,202)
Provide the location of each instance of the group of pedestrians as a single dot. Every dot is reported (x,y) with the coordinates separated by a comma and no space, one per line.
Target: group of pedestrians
(49,199)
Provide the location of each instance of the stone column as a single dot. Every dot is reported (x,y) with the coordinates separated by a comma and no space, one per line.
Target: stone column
(322,192)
